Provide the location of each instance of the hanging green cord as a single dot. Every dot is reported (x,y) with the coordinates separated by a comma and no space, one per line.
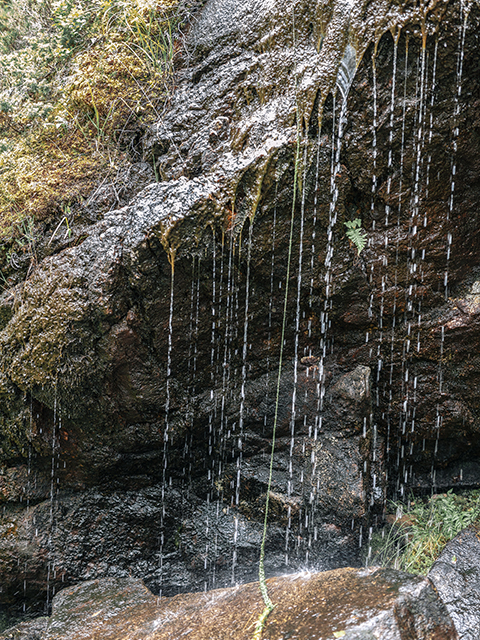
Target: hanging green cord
(260,623)
(269,606)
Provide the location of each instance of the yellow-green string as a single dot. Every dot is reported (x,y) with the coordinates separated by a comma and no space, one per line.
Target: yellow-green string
(260,623)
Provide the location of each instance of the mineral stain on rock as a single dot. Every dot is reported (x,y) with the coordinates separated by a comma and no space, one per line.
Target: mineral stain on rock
(354,385)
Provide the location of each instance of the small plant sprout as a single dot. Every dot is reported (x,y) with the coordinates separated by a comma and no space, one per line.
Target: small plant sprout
(356,234)
(68,232)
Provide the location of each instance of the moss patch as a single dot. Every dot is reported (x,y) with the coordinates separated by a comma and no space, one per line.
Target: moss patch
(79,83)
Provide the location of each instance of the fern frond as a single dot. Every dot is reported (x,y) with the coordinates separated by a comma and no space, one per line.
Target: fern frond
(356,234)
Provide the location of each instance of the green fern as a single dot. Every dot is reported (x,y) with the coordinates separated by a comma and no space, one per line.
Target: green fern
(356,234)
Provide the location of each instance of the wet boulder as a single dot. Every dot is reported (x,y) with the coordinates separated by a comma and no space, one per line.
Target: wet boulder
(31,630)
(347,603)
(456,577)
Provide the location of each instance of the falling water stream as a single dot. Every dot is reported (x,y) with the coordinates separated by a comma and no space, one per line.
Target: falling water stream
(407,314)
(293,410)
(450,211)
(166,431)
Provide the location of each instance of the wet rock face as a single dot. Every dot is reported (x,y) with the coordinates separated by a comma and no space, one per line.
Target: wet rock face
(456,576)
(174,541)
(145,358)
(357,605)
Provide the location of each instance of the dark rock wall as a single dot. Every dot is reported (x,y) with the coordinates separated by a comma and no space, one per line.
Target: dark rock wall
(104,390)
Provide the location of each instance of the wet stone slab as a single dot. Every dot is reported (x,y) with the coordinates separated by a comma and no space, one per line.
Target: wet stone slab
(353,604)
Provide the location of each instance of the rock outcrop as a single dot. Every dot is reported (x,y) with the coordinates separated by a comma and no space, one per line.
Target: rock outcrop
(143,359)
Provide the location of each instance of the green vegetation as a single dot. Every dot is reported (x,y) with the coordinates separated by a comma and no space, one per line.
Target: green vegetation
(356,234)
(79,83)
(422,529)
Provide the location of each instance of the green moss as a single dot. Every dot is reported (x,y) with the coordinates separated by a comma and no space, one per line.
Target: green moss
(79,81)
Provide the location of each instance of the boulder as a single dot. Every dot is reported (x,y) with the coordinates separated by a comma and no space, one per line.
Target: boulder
(456,577)
(32,630)
(347,603)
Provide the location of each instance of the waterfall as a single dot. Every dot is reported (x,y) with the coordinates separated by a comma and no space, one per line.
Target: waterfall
(218,344)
